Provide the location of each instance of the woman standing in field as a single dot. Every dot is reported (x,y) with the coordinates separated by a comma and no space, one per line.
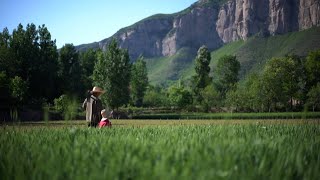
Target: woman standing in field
(93,106)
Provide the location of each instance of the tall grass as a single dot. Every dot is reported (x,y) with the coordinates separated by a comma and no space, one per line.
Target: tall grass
(254,116)
(14,115)
(163,152)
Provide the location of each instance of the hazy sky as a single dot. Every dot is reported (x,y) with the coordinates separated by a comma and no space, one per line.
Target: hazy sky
(83,21)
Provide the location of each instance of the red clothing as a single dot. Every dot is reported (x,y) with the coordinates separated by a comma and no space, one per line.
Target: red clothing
(105,122)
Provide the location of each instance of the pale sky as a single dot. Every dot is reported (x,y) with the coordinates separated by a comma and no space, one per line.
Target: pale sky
(83,21)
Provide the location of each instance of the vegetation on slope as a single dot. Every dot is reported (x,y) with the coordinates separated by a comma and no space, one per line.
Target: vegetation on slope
(163,70)
(252,55)
(254,52)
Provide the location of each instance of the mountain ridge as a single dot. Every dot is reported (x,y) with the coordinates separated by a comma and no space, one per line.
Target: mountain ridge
(212,23)
(122,33)
(252,54)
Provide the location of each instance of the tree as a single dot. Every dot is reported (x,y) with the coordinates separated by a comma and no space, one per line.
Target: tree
(70,70)
(226,74)
(234,98)
(112,73)
(246,96)
(201,79)
(31,55)
(8,61)
(314,97)
(47,66)
(5,96)
(67,106)
(280,81)
(18,89)
(252,96)
(139,81)
(87,61)
(312,66)
(20,50)
(5,37)
(179,96)
(211,97)
(155,97)
(295,80)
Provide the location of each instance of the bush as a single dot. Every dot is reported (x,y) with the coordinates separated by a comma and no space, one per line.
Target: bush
(67,106)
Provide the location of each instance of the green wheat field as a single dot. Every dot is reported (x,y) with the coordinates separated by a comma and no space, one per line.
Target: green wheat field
(162,149)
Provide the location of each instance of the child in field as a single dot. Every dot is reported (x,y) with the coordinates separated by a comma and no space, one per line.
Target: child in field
(104,121)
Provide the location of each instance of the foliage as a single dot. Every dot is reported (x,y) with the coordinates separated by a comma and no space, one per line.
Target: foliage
(314,97)
(252,54)
(60,104)
(280,85)
(251,96)
(112,72)
(70,70)
(165,152)
(48,67)
(4,86)
(163,70)
(226,74)
(87,62)
(18,89)
(280,81)
(29,59)
(234,99)
(29,53)
(201,79)
(66,105)
(8,61)
(179,96)
(312,66)
(211,98)
(257,50)
(155,97)
(139,81)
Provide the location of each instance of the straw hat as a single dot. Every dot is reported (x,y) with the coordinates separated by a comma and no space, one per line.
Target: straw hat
(97,90)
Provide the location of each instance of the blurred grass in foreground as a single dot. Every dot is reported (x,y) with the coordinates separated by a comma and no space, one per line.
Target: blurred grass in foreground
(214,151)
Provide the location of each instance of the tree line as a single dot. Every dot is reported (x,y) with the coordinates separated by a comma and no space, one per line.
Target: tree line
(289,83)
(34,73)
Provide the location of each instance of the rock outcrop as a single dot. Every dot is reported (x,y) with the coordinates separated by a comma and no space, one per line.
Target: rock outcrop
(209,23)
(240,19)
(192,30)
(309,13)
(143,38)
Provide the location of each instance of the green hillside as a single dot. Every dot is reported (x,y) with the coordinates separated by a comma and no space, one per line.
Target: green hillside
(164,70)
(252,54)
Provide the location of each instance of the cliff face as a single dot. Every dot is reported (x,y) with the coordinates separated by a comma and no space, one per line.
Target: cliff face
(239,19)
(210,24)
(192,30)
(309,13)
(144,38)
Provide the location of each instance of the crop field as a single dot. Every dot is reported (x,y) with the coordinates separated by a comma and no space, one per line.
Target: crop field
(161,149)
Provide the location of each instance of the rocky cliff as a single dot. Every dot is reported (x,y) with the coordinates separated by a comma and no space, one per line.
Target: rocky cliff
(213,23)
(239,19)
